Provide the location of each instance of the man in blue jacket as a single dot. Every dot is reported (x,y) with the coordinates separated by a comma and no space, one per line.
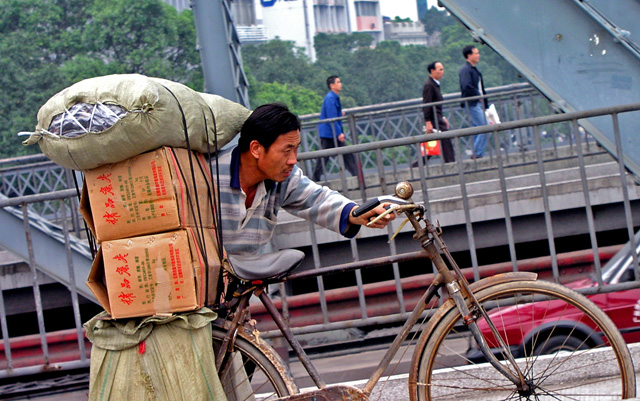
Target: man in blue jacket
(471,85)
(331,134)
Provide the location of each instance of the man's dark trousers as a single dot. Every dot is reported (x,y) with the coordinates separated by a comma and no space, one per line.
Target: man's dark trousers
(349,160)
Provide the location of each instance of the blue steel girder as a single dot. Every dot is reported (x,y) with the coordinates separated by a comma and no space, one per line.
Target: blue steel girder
(219,48)
(619,17)
(581,55)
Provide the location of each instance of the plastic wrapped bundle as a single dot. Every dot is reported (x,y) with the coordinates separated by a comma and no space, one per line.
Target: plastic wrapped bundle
(112,118)
(84,118)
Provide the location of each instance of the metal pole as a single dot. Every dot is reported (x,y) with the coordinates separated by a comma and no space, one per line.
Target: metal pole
(72,282)
(545,200)
(505,202)
(219,48)
(36,287)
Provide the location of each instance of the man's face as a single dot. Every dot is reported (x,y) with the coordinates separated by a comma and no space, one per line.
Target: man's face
(277,162)
(474,57)
(336,86)
(438,72)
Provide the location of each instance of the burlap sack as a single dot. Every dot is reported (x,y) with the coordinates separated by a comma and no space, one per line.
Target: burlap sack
(144,114)
(155,358)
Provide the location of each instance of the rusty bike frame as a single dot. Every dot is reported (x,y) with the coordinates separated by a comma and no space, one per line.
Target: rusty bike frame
(452,279)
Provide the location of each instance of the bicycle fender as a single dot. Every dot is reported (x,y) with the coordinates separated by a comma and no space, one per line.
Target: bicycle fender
(502,278)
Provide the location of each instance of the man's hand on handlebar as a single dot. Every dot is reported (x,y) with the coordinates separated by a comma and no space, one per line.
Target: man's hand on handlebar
(367,217)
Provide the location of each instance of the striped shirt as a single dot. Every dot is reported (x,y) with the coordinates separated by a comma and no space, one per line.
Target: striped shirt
(248,231)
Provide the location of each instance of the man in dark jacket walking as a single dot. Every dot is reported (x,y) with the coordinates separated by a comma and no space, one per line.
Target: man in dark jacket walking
(471,85)
(433,118)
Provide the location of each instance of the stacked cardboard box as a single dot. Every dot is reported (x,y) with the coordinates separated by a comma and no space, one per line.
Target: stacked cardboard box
(153,217)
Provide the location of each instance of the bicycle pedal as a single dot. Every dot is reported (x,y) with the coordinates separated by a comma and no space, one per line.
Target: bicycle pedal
(333,393)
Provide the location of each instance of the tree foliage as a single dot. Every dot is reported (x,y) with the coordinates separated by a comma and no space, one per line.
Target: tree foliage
(332,47)
(282,62)
(435,19)
(46,46)
(299,99)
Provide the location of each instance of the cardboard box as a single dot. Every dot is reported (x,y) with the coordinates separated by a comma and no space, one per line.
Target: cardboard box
(149,193)
(156,274)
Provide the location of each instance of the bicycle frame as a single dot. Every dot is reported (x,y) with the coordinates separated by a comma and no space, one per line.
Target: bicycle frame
(459,289)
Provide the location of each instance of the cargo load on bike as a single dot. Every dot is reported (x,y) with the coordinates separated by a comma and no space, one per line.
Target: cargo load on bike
(149,202)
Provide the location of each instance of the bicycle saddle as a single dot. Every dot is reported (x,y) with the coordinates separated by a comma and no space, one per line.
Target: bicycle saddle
(266,266)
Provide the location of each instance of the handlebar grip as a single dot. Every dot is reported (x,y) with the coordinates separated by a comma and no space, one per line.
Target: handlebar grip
(364,208)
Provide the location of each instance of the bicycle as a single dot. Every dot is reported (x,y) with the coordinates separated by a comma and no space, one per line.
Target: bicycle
(555,363)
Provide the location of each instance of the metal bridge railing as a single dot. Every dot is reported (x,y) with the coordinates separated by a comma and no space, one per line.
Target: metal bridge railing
(50,344)
(386,158)
(373,124)
(551,138)
(32,175)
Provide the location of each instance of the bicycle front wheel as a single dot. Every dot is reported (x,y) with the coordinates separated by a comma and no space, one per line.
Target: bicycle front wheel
(253,370)
(565,347)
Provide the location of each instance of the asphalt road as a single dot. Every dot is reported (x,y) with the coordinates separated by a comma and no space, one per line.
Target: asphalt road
(352,369)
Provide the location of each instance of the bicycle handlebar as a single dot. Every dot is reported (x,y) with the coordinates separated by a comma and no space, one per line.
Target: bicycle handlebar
(403,193)
(365,207)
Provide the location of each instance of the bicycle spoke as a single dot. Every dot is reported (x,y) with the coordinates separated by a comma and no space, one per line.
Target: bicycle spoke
(420,326)
(533,319)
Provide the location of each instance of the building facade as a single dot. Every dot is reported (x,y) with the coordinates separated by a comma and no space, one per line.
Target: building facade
(367,18)
(409,33)
(300,20)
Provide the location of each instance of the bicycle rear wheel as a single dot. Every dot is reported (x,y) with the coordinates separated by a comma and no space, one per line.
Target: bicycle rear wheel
(253,370)
(565,346)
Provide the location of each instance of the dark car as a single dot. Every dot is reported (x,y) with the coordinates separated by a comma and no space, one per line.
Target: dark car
(553,327)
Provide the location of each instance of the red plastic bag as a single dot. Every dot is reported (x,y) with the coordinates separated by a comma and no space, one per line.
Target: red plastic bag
(431,148)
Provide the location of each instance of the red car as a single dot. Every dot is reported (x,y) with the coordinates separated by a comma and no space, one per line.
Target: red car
(551,327)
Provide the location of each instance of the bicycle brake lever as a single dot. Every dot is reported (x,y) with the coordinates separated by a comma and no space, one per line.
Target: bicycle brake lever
(394,209)
(390,209)
(395,234)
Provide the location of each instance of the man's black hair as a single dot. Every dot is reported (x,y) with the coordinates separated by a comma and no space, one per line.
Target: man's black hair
(266,124)
(331,80)
(432,66)
(467,50)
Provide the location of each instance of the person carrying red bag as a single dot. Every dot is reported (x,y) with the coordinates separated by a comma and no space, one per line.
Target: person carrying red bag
(434,120)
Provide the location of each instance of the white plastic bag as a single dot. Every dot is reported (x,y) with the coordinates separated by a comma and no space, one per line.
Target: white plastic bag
(492,115)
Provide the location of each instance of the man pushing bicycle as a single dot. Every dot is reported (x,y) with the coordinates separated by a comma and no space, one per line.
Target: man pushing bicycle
(508,322)
(259,176)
